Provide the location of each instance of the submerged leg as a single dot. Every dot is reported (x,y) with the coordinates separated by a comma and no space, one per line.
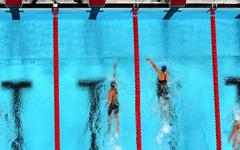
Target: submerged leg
(236,142)
(109,122)
(117,124)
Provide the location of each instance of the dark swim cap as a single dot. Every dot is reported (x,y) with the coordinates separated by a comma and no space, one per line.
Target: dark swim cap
(113,84)
(164,68)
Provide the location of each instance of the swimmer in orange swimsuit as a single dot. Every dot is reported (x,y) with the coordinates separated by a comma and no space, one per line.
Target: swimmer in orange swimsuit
(113,104)
(235,135)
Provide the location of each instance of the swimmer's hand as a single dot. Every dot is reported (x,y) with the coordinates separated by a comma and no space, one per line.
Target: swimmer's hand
(149,60)
(229,139)
(115,66)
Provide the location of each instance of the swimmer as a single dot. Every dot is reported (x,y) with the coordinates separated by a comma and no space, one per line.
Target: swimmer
(162,87)
(235,134)
(113,104)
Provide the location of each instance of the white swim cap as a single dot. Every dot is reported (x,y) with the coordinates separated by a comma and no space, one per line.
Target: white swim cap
(237,118)
(236,113)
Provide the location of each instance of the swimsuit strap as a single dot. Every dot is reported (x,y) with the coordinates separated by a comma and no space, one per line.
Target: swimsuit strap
(164,79)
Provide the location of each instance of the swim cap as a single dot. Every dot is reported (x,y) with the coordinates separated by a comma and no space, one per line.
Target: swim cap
(164,68)
(236,114)
(237,118)
(113,84)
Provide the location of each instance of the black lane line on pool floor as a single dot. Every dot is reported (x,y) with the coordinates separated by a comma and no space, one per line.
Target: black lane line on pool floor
(234,81)
(94,117)
(16,89)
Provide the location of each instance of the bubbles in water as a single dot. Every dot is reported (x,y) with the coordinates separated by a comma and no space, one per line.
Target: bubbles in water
(113,144)
(166,129)
(159,138)
(117,147)
(111,141)
(236,113)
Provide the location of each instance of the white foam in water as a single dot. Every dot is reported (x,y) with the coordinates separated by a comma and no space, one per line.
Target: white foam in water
(165,130)
(236,113)
(117,147)
(113,145)
(159,138)
(111,141)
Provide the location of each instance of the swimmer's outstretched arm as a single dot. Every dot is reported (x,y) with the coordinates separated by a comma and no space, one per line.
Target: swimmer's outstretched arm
(154,65)
(114,68)
(232,133)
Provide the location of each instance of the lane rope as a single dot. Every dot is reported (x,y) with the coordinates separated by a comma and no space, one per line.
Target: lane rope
(215,79)
(56,76)
(137,80)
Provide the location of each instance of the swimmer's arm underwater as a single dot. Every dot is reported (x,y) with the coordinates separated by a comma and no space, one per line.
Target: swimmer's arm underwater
(167,76)
(154,66)
(232,133)
(114,68)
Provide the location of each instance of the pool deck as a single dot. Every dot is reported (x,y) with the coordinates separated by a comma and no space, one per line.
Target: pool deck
(234,2)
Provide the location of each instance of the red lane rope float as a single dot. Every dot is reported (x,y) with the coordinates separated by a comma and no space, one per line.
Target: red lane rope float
(56,78)
(137,80)
(215,79)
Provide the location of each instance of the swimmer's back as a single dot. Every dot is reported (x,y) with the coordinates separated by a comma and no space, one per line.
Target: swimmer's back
(163,76)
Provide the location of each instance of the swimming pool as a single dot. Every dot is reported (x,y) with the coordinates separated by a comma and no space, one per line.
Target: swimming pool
(88,50)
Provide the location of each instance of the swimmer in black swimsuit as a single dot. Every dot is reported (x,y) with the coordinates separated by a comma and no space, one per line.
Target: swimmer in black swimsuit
(113,104)
(168,114)
(162,87)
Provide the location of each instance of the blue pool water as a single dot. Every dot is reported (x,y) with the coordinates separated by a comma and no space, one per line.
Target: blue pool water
(88,50)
